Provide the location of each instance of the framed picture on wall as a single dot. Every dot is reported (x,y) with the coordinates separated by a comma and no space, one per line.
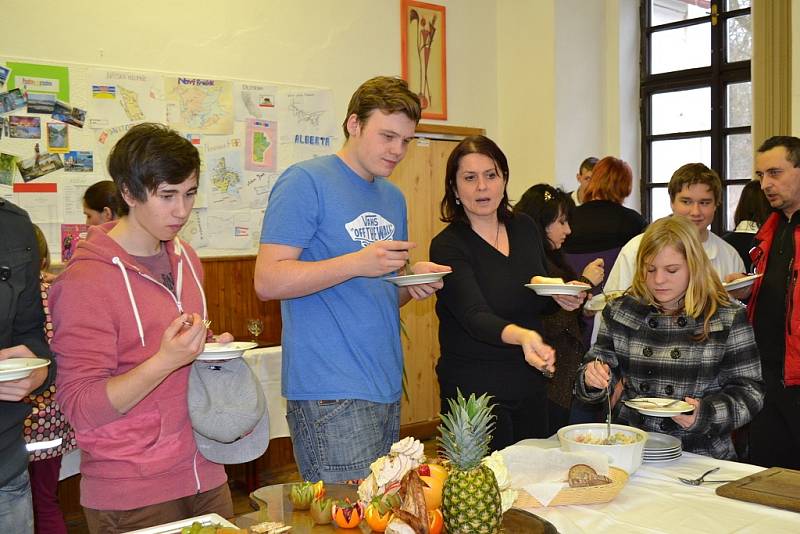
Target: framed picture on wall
(424,60)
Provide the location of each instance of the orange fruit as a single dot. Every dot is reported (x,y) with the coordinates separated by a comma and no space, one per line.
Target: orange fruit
(432,489)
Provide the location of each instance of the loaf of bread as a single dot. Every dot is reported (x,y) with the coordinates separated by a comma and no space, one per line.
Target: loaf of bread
(582,476)
(546,280)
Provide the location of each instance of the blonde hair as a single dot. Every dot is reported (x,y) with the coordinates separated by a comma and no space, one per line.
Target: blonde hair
(705,293)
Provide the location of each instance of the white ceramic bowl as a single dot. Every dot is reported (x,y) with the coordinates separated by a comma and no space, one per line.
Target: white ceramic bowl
(627,456)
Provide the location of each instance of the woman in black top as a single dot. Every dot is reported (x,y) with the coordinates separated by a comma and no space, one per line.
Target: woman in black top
(602,222)
(489,322)
(552,210)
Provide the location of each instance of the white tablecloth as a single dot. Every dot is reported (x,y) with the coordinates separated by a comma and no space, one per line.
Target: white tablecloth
(266,364)
(654,501)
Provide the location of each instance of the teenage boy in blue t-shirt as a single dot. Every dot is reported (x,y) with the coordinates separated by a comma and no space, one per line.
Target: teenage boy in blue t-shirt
(334,226)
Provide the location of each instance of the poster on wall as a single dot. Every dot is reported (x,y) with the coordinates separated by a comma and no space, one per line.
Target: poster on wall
(261,144)
(199,105)
(119,97)
(424,57)
(37,78)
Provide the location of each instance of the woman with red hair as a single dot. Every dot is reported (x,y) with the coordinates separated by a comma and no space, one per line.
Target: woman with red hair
(602,223)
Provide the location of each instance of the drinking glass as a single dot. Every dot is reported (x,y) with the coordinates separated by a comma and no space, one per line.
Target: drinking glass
(255,327)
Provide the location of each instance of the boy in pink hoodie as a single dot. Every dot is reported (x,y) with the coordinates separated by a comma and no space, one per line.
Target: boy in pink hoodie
(128,314)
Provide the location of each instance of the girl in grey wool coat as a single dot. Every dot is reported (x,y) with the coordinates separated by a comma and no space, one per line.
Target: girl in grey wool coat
(676,333)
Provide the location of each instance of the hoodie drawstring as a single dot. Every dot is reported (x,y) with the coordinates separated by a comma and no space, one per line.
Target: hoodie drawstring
(116,261)
(179,252)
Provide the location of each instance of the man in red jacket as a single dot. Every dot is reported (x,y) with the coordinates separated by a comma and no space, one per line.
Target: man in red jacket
(774,307)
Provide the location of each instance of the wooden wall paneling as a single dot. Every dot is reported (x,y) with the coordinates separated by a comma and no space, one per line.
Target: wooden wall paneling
(421,178)
(232,300)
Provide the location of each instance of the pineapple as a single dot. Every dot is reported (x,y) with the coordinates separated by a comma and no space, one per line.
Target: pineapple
(471,499)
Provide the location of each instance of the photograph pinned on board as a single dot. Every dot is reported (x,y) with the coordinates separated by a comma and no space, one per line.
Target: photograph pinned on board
(11,100)
(79,161)
(21,127)
(43,103)
(39,165)
(65,113)
(70,235)
(8,162)
(57,137)
(4,72)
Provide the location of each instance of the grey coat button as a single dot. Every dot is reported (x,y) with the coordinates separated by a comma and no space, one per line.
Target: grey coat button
(675,354)
(647,352)
(681,321)
(652,322)
(669,390)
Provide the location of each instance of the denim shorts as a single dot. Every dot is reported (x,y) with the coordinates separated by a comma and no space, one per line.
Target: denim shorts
(337,440)
(16,506)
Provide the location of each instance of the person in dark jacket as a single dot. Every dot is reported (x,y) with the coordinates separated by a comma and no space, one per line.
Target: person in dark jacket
(552,210)
(21,336)
(751,212)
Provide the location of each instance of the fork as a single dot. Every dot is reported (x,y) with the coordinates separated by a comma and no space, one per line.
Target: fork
(667,405)
(206,323)
(699,480)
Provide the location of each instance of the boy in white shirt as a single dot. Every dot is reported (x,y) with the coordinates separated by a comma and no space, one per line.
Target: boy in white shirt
(695,191)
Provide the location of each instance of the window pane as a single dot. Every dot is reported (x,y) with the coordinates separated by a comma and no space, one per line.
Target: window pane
(667,156)
(739,111)
(681,111)
(734,192)
(660,205)
(681,48)
(664,11)
(739,157)
(740,39)
(737,4)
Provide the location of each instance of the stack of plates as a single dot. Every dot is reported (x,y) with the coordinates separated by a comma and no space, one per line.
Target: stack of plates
(661,448)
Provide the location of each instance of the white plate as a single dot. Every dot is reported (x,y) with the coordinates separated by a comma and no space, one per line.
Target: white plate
(225,351)
(415,279)
(660,460)
(16,368)
(742,282)
(557,289)
(657,442)
(176,526)
(653,406)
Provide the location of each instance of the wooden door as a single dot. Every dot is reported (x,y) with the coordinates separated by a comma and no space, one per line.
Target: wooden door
(421,178)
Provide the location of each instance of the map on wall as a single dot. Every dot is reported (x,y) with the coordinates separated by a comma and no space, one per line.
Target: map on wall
(199,105)
(120,97)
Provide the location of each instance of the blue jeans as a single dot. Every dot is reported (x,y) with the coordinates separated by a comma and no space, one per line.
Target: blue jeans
(16,506)
(337,440)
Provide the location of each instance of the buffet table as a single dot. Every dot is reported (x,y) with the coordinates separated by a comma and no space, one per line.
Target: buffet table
(654,501)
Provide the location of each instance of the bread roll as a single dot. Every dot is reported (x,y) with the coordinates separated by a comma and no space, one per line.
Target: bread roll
(546,280)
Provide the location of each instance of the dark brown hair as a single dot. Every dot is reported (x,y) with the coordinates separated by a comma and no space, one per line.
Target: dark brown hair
(390,95)
(695,173)
(103,195)
(148,155)
(791,144)
(452,211)
(753,204)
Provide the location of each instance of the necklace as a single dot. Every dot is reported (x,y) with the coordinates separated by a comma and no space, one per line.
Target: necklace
(497,236)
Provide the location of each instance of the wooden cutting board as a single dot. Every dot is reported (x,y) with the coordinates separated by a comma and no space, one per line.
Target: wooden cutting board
(777,486)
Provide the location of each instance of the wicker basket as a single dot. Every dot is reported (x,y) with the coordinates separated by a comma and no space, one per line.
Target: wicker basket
(589,495)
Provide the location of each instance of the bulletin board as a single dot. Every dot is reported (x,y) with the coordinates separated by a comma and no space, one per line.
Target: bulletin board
(58,123)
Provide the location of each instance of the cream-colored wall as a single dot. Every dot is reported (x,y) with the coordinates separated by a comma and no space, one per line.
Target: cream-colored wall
(337,44)
(526,91)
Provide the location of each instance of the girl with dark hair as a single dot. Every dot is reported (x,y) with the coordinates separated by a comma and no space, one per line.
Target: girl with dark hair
(751,212)
(101,203)
(552,209)
(489,322)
